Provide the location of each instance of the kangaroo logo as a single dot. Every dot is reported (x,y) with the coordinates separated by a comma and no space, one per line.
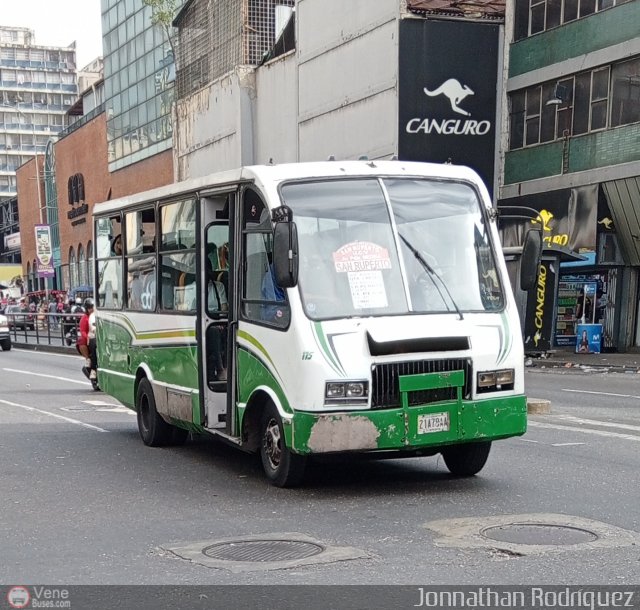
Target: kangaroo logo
(454,91)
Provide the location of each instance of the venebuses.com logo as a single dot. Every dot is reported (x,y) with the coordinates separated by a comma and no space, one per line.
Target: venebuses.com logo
(18,597)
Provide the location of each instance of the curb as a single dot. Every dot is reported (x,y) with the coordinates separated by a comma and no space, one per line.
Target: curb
(43,347)
(560,364)
(538,406)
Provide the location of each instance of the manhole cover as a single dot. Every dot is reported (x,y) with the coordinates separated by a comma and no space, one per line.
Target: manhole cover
(538,533)
(262,550)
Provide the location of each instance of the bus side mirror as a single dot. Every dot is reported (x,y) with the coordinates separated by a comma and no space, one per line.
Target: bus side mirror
(530,261)
(285,254)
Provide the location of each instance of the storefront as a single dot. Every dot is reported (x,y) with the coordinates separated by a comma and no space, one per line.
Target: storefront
(586,291)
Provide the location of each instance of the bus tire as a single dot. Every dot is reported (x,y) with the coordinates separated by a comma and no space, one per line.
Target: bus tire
(6,345)
(154,431)
(282,467)
(468,459)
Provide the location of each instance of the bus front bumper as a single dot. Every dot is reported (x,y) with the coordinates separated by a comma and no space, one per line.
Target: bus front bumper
(424,426)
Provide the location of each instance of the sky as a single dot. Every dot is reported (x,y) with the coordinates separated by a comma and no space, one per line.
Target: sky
(59,23)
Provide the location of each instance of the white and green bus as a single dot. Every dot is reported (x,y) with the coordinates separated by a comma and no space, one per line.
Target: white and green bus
(313,308)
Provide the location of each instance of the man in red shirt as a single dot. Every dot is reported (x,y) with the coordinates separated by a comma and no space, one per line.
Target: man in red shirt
(83,332)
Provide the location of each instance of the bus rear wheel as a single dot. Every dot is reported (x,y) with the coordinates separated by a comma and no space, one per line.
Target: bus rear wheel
(154,431)
(468,459)
(282,467)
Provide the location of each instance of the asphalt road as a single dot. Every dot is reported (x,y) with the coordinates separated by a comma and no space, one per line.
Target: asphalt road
(83,501)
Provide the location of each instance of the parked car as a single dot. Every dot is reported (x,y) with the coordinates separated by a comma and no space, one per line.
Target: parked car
(19,318)
(5,337)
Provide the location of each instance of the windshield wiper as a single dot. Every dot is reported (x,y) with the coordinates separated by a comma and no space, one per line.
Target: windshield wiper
(432,274)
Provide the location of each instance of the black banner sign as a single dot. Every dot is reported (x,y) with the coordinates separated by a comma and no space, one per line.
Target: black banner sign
(447,88)
(538,324)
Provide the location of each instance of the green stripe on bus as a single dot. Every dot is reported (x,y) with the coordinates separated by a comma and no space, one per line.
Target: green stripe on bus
(321,341)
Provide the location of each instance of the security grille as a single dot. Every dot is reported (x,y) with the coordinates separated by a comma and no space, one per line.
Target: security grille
(215,36)
(385,388)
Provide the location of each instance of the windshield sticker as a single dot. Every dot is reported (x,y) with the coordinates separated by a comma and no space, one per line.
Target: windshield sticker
(361,256)
(367,290)
(363,262)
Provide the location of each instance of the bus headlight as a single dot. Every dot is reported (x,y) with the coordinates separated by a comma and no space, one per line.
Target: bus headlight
(495,381)
(346,391)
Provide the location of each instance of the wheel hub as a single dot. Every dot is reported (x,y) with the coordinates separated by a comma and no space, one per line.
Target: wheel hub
(273,443)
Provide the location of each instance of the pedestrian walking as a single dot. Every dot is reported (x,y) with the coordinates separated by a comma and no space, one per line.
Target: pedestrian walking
(53,318)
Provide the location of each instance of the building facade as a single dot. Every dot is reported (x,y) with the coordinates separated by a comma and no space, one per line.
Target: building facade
(139,79)
(338,79)
(570,141)
(37,86)
(116,141)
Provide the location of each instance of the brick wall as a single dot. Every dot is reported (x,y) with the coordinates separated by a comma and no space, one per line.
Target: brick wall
(84,152)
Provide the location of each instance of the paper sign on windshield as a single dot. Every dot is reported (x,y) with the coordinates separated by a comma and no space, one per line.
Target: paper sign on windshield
(363,262)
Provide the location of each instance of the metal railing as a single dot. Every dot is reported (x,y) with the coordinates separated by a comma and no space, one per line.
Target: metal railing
(44,328)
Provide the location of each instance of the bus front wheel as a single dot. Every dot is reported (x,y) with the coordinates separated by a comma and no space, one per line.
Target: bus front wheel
(468,459)
(154,431)
(282,467)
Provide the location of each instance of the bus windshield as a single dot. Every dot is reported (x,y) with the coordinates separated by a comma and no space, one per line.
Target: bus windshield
(392,246)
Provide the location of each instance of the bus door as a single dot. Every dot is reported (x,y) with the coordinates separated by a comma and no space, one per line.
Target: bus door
(217,310)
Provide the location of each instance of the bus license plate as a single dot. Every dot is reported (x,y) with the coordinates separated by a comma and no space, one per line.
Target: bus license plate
(434,422)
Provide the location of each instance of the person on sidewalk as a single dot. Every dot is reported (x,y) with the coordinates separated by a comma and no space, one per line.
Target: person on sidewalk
(53,318)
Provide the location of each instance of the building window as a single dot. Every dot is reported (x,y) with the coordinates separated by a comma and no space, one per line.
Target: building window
(535,16)
(75,188)
(90,262)
(608,96)
(625,93)
(73,268)
(82,267)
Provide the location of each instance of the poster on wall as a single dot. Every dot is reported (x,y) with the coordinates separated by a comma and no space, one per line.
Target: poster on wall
(44,251)
(447,93)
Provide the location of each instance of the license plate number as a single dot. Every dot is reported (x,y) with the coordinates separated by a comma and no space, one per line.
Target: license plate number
(434,422)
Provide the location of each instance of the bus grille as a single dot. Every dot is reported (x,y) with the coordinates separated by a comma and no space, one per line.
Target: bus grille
(385,391)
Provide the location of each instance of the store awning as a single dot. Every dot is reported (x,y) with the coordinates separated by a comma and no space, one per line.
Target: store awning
(623,197)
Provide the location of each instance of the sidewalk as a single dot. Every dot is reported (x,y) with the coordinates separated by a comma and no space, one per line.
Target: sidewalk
(628,362)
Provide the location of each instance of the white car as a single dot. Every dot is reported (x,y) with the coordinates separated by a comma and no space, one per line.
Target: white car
(5,337)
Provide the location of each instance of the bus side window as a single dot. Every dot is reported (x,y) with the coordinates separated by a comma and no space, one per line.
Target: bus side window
(262,301)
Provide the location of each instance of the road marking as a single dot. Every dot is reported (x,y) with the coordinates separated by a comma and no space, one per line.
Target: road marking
(628,437)
(108,407)
(55,355)
(601,393)
(566,444)
(62,417)
(597,422)
(47,376)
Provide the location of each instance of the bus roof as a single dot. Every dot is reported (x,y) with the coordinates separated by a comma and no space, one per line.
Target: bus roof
(271,175)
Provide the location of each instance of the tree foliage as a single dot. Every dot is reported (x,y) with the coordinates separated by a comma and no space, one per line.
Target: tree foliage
(162,11)
(162,15)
